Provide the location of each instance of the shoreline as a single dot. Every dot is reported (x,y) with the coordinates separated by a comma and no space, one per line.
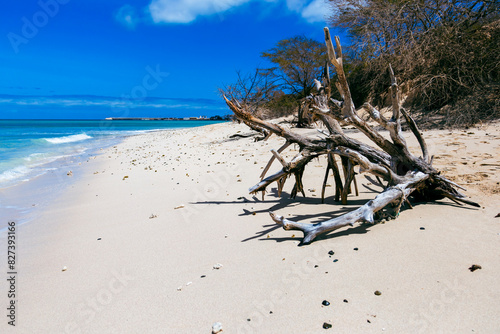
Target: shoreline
(157,212)
(20,194)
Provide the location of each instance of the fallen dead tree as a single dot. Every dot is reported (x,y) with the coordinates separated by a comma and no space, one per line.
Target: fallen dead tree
(401,173)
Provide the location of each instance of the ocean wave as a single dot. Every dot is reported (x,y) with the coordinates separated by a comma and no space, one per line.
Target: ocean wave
(35,156)
(14,173)
(68,139)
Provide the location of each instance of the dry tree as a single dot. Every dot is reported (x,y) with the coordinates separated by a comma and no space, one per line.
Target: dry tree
(391,161)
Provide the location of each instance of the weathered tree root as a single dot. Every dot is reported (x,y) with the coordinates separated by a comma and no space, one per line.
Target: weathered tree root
(365,213)
(405,174)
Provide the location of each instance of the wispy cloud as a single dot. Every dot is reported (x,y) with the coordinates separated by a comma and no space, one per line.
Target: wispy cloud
(67,101)
(316,11)
(186,11)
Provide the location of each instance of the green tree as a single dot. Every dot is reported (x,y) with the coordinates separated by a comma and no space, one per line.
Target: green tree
(299,60)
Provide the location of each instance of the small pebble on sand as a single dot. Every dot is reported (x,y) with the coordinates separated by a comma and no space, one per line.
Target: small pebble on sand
(475,267)
(216,328)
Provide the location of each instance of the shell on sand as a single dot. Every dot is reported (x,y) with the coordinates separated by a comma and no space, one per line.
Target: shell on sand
(216,327)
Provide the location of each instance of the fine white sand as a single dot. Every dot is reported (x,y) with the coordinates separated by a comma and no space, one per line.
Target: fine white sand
(143,227)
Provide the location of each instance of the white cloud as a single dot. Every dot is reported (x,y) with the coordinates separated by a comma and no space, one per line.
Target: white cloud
(316,11)
(127,16)
(296,5)
(185,11)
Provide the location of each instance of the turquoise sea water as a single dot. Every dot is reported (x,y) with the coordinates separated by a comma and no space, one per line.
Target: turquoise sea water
(28,147)
(32,150)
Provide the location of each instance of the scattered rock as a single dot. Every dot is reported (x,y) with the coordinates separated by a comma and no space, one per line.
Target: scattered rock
(216,328)
(368,321)
(316,266)
(325,303)
(422,228)
(336,260)
(331,252)
(346,301)
(475,267)
(179,288)
(498,215)
(179,207)
(378,293)
(326,325)
(125,177)
(70,173)
(203,276)
(98,238)
(64,268)
(152,216)
(217,266)
(356,248)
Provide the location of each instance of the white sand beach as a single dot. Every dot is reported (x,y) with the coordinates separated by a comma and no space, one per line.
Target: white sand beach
(140,234)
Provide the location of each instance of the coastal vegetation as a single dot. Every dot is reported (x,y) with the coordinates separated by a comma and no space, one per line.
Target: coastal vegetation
(446,55)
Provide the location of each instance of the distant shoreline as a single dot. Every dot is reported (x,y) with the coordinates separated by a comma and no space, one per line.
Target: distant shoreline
(213,118)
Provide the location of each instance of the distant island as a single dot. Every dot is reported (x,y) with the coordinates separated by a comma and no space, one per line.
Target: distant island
(200,118)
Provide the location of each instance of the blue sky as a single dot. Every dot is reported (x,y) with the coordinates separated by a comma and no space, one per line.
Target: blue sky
(111,58)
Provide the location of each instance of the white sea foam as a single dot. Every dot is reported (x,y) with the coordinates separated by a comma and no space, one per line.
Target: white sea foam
(14,173)
(35,157)
(68,139)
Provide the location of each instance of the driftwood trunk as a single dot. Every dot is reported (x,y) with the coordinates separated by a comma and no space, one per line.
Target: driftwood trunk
(404,174)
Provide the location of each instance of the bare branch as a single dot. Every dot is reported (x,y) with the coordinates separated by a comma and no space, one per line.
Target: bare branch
(404,173)
(363,214)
